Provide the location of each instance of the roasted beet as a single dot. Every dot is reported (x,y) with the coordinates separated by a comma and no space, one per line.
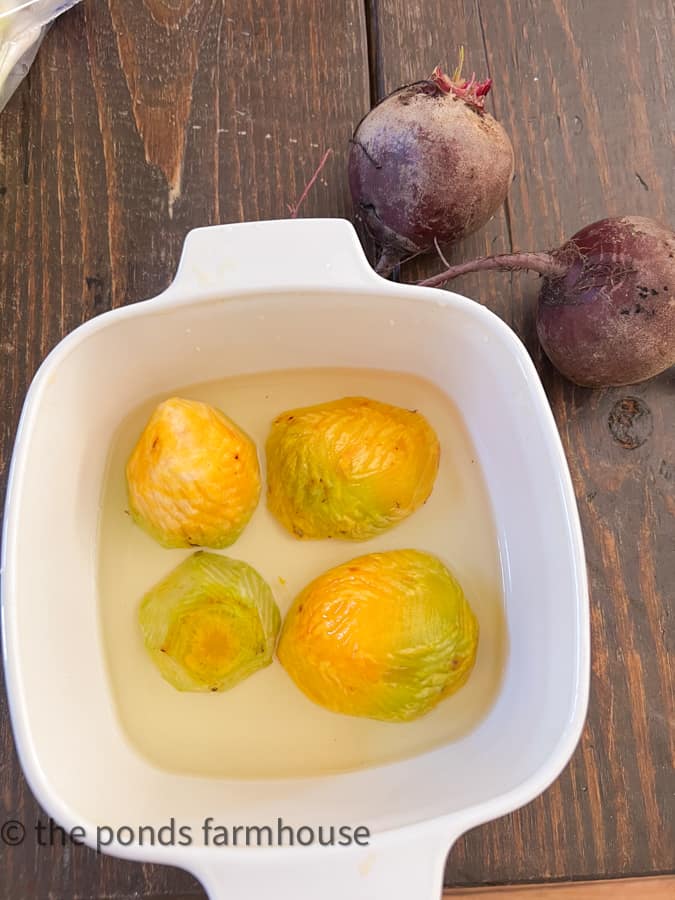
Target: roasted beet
(428,164)
(606,313)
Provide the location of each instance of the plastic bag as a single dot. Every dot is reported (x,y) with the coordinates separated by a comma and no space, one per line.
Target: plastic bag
(23,24)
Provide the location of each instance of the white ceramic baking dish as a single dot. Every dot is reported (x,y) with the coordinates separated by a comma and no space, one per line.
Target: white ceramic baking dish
(268,296)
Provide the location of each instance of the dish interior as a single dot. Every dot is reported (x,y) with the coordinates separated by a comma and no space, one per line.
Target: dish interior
(79,758)
(265,727)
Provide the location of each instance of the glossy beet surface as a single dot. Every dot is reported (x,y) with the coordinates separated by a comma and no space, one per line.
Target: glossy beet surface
(193,478)
(386,636)
(210,623)
(349,469)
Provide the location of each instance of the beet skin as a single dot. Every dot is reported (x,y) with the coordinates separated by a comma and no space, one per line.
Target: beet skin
(610,319)
(606,311)
(428,163)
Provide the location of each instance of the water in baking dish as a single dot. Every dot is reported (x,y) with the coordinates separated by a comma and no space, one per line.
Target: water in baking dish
(265,727)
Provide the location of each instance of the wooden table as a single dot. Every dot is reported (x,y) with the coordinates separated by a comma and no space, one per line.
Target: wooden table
(144,118)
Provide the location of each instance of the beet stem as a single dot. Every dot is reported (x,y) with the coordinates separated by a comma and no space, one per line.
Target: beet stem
(440,253)
(294,209)
(472,92)
(543,263)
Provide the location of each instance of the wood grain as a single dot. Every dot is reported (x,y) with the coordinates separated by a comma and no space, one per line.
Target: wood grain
(585,91)
(140,120)
(617,889)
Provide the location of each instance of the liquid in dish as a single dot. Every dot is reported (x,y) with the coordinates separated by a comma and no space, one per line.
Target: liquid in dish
(266,727)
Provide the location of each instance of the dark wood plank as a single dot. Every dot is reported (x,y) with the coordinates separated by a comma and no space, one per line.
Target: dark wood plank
(616,889)
(140,120)
(585,90)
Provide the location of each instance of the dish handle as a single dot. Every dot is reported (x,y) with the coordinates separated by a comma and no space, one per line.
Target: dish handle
(288,253)
(405,868)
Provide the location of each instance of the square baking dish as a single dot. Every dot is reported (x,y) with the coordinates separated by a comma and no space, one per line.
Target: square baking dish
(262,297)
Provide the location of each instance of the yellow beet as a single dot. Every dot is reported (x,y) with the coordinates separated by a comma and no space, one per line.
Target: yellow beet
(193,478)
(210,623)
(349,469)
(385,636)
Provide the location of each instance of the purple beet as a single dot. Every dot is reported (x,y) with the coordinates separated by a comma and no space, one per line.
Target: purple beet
(428,164)
(606,312)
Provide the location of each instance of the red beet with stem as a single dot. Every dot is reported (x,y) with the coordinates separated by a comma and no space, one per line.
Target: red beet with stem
(606,311)
(428,164)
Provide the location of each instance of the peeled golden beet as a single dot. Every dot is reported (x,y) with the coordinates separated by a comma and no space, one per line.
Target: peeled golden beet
(210,623)
(385,636)
(349,469)
(193,478)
